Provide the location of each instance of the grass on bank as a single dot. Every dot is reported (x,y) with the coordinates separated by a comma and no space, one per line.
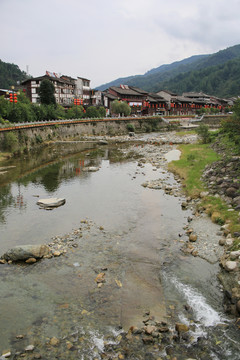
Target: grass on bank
(194,158)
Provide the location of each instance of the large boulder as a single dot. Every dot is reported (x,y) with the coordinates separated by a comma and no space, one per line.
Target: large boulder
(24,252)
(51,202)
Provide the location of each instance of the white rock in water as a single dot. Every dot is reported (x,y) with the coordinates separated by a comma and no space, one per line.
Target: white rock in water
(51,202)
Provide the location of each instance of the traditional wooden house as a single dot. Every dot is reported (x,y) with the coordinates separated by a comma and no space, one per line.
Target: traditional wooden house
(134,98)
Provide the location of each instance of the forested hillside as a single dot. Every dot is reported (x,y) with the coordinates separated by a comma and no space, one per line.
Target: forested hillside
(217,74)
(10,74)
(221,80)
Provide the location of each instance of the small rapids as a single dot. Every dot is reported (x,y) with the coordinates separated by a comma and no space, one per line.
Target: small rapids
(205,322)
(203,312)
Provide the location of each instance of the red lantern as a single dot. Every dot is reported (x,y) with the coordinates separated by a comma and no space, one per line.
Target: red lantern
(78,101)
(15,98)
(11,97)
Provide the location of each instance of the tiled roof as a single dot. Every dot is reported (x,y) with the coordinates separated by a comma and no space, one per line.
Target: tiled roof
(138,90)
(49,78)
(125,91)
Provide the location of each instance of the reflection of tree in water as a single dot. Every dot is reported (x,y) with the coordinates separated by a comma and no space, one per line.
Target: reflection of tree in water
(6,200)
(48,177)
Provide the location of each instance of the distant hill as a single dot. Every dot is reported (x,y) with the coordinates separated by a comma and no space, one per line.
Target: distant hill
(216,74)
(10,74)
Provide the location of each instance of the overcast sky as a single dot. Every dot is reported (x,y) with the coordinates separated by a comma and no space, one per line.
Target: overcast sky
(103,40)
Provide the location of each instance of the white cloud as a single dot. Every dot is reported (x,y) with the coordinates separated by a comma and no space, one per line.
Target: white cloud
(104,40)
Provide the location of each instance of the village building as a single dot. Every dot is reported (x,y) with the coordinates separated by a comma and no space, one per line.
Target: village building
(66,88)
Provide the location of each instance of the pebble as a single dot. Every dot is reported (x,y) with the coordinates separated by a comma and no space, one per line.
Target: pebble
(29,348)
(181,327)
(193,237)
(6,354)
(31,261)
(54,341)
(231,265)
(57,253)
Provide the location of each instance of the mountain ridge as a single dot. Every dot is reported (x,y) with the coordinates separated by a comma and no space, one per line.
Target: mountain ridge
(164,76)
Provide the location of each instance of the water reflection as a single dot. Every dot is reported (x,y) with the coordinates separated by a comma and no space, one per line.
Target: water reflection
(6,200)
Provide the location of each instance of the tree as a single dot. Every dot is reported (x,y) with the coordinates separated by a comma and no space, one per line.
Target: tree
(46,92)
(204,133)
(102,111)
(92,112)
(120,107)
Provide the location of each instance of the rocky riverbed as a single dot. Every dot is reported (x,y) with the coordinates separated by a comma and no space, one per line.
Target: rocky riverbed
(154,339)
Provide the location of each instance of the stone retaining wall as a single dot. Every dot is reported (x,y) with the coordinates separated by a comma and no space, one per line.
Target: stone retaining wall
(31,137)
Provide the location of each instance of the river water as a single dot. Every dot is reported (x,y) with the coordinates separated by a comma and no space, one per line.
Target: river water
(109,225)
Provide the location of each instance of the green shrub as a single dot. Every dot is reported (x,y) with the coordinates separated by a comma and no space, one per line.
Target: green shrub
(10,142)
(38,139)
(130,127)
(204,133)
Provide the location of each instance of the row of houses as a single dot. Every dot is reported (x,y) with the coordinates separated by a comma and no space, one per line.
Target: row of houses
(163,102)
(67,89)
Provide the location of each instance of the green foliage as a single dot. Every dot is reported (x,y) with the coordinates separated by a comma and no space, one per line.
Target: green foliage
(22,98)
(102,111)
(5,107)
(221,80)
(191,158)
(10,142)
(40,112)
(21,112)
(120,107)
(38,139)
(92,112)
(230,128)
(130,127)
(203,132)
(46,92)
(75,112)
(10,75)
(213,204)
(51,112)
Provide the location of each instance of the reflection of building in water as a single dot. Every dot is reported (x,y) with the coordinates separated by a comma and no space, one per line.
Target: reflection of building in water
(73,168)
(79,168)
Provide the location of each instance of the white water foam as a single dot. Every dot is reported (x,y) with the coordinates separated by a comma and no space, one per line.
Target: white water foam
(203,312)
(97,340)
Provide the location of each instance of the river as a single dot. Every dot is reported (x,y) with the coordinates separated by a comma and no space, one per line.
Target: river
(113,226)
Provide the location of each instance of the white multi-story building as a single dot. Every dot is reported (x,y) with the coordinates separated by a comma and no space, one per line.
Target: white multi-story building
(66,88)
